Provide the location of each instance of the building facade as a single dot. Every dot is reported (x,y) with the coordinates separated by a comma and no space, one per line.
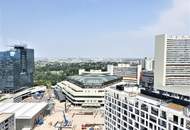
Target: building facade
(148,64)
(16,69)
(87,90)
(172,64)
(130,73)
(147,80)
(130,109)
(7,121)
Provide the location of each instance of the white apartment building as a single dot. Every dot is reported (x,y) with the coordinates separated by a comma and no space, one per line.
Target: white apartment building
(7,121)
(172,64)
(126,108)
(130,73)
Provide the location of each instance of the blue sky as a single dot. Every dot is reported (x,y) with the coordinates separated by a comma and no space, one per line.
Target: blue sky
(91,28)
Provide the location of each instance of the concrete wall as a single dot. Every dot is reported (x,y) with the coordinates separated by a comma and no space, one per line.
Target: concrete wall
(23,123)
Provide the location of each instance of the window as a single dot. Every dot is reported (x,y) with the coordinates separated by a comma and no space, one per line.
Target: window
(144,107)
(133,116)
(154,111)
(136,111)
(182,122)
(163,114)
(175,119)
(153,119)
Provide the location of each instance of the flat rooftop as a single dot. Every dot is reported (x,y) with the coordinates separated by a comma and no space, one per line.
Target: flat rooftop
(149,99)
(22,110)
(5,116)
(175,106)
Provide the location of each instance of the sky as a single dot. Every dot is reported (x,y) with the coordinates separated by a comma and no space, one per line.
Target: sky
(91,28)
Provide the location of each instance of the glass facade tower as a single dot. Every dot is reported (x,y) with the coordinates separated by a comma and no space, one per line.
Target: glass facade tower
(16,69)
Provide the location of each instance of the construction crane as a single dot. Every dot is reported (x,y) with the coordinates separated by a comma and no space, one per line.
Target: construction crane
(63,124)
(66,121)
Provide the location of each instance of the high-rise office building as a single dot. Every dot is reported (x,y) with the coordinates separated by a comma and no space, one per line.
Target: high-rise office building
(172,64)
(130,73)
(16,69)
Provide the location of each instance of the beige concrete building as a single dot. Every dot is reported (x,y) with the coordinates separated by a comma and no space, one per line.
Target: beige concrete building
(129,73)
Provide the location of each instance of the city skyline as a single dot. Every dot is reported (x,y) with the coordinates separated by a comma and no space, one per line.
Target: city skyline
(87,28)
(95,64)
